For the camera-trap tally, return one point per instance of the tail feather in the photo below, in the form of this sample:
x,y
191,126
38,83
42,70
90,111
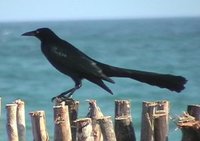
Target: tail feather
x,y
171,82
100,83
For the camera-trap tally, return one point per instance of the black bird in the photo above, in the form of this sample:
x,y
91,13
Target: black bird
x,y
77,65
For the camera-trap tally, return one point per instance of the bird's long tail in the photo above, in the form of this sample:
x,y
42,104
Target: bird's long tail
x,y
171,82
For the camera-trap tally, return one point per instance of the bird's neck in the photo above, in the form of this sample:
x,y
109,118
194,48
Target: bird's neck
x,y
49,39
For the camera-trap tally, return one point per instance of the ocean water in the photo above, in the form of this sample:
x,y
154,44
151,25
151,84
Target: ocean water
x,y
160,45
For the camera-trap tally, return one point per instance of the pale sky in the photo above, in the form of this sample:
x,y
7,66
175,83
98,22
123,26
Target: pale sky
x,y
33,10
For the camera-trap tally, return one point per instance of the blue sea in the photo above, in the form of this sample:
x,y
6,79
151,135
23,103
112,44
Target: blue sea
x,y
170,45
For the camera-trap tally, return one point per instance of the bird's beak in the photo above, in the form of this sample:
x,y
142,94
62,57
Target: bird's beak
x,y
31,33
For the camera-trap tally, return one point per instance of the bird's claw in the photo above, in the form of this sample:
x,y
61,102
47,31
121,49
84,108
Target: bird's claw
x,y
61,98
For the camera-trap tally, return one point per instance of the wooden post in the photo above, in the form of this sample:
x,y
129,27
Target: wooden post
x,y
107,128
95,114
189,127
62,129
194,110
152,115
84,129
21,120
94,110
124,129
38,121
12,122
188,135
73,115
190,123
73,106
122,108
160,128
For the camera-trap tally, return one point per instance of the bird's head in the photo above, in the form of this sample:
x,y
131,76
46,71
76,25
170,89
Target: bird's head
x,y
42,33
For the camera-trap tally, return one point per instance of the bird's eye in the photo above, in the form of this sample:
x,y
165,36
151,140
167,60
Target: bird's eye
x,y
37,32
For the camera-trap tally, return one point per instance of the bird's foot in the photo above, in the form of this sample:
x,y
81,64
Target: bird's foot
x,y
62,98
67,95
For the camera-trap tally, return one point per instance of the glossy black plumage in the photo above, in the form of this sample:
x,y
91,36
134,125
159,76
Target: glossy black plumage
x,y
77,65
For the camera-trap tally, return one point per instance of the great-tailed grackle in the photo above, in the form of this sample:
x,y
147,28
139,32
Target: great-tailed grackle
x,y
77,65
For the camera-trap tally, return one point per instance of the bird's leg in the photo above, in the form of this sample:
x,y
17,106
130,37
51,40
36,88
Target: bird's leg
x,y
62,95
69,92
74,89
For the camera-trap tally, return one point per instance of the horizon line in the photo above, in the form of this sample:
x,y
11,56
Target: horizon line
x,y
97,19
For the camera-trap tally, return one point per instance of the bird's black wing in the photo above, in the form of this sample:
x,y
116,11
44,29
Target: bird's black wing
x,y
77,62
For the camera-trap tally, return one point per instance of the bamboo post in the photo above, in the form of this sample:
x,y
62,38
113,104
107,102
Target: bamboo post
x,y
84,129
124,129
154,119
38,121
21,120
73,106
12,122
62,129
107,128
95,114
